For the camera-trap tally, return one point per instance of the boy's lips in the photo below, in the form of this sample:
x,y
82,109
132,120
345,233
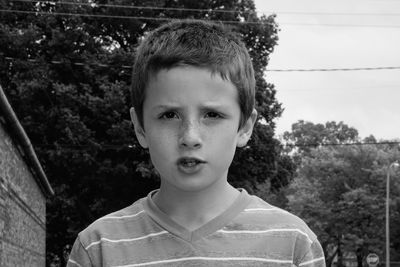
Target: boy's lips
x,y
189,161
190,164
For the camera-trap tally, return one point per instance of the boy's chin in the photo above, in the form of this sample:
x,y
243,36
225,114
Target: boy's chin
x,y
195,185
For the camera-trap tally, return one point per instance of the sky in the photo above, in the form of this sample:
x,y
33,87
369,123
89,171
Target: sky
x,y
337,34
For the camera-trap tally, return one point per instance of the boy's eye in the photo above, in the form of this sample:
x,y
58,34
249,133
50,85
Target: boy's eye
x,y
169,115
213,115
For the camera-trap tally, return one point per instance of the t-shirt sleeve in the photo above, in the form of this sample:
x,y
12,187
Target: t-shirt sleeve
x,y
314,256
79,257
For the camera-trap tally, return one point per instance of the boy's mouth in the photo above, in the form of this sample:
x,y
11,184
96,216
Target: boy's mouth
x,y
187,162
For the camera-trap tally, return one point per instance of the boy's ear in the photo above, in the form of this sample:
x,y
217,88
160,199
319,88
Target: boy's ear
x,y
246,130
139,131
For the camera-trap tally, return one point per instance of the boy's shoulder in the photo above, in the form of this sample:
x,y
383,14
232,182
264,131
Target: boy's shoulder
x,y
259,213
115,225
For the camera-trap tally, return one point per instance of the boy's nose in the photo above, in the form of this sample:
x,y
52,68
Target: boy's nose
x,y
190,136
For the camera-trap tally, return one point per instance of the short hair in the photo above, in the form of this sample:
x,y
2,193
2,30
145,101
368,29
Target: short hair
x,y
195,43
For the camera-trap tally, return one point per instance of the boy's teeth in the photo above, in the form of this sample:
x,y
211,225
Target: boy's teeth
x,y
189,162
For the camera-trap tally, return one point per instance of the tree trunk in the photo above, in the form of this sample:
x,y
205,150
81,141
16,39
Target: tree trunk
x,y
340,255
330,258
359,257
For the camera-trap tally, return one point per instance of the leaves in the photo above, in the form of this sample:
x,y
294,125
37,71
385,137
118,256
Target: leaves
x,y
68,80
306,135
340,192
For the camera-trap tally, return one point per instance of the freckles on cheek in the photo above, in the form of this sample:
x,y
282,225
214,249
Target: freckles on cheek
x,y
227,143
161,144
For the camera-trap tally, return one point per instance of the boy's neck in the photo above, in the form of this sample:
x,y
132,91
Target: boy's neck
x,y
194,209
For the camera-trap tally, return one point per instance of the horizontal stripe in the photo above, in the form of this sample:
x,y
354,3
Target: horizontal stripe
x,y
74,262
311,261
206,259
136,237
124,240
264,231
261,209
120,217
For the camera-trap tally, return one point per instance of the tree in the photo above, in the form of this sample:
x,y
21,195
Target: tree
x,y
340,192
68,78
306,135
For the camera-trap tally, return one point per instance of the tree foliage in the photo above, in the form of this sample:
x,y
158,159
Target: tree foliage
x,y
306,135
68,77
340,191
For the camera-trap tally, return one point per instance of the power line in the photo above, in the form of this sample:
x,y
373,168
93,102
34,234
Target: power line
x,y
331,13
123,17
168,19
207,10
58,62
81,147
344,144
340,90
138,7
110,146
335,69
79,15
340,25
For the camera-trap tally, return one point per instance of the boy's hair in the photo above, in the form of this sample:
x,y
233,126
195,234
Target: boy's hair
x,y
194,43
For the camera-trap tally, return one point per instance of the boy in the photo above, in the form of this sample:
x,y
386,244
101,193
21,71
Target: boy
x,y
193,97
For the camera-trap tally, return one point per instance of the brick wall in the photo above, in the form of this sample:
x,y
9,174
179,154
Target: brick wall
x,y
22,209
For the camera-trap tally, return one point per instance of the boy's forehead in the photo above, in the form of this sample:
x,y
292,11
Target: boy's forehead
x,y
154,75
187,74
170,86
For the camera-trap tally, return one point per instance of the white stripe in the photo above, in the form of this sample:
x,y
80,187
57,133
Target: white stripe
x,y
206,259
311,261
119,217
261,209
74,262
124,240
264,231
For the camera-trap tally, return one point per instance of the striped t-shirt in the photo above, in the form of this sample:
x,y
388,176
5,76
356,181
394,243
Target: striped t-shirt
x,y
249,233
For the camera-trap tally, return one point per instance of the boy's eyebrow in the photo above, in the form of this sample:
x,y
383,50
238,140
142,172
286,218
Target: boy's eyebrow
x,y
166,107
178,107
211,105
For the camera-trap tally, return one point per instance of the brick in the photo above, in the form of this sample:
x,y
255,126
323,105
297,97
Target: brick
x,y
22,209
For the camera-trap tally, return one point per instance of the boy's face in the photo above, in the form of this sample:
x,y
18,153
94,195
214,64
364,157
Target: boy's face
x,y
191,121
